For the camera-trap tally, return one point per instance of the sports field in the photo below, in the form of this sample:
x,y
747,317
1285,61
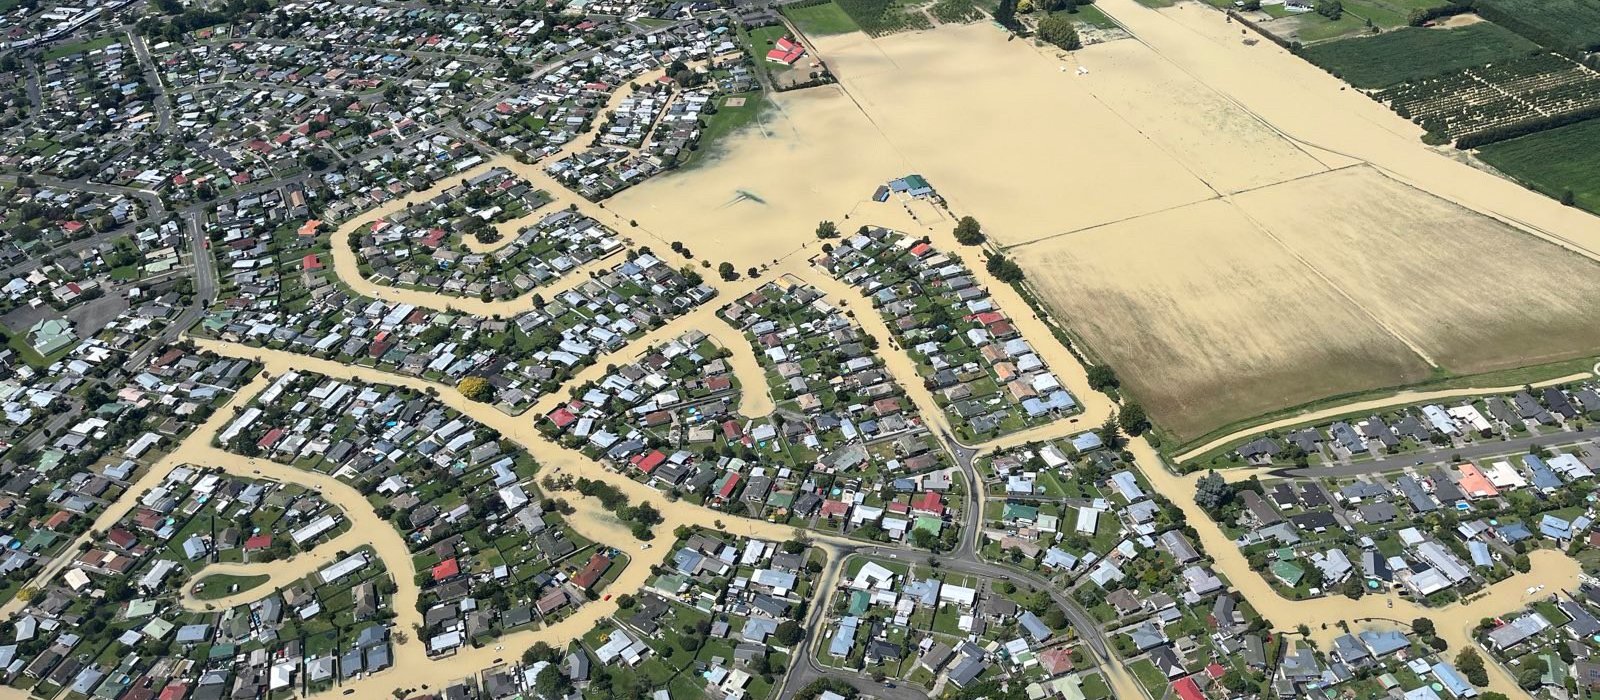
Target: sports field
x,y
1555,162
1412,53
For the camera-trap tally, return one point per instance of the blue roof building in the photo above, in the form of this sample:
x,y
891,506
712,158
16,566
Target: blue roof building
x,y
1083,442
1452,680
1543,476
1035,627
844,638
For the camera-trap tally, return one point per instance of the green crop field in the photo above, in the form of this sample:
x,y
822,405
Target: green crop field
x,y
1554,161
1408,54
1387,13
819,19
1558,24
879,17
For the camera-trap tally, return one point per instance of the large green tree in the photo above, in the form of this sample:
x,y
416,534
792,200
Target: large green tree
x,y
1058,29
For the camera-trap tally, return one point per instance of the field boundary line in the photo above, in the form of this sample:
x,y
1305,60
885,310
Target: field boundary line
x,y
1113,222
1222,196
1514,222
1333,285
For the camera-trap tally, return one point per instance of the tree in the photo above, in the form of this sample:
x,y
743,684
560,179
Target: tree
x,y
727,271
540,651
1470,664
551,684
475,388
1102,377
1212,492
1003,269
1058,29
826,230
1132,419
1423,627
1110,434
1055,618
1332,9
433,335
1006,14
968,232
788,633
1567,197
1353,588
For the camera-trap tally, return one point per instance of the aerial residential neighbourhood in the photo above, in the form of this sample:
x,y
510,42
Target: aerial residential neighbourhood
x,y
800,349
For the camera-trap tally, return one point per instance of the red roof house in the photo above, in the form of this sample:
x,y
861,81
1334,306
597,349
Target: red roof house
x,y
786,52
562,417
648,463
1188,689
446,569
929,502
592,572
271,438
834,509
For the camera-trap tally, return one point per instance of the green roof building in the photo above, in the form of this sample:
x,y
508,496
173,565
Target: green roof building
x,y
1288,572
51,336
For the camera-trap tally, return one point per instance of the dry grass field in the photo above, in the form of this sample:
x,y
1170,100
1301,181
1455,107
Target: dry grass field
x,y
1475,295
1209,321
1327,285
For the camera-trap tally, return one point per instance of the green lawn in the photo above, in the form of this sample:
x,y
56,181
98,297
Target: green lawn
x,y
1313,27
1387,13
726,121
1554,161
1149,677
80,47
1095,688
1411,53
19,343
221,585
821,19
1092,16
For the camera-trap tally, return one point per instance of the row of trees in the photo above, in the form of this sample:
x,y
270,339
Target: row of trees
x,y
640,518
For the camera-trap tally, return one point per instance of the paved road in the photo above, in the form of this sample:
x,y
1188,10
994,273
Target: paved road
x,y
1472,452
153,77
205,289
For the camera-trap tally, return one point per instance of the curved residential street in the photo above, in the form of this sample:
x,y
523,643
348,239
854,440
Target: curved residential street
x,y
1213,58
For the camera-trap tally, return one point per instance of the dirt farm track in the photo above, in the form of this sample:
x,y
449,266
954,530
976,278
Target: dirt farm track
x,y
1226,224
